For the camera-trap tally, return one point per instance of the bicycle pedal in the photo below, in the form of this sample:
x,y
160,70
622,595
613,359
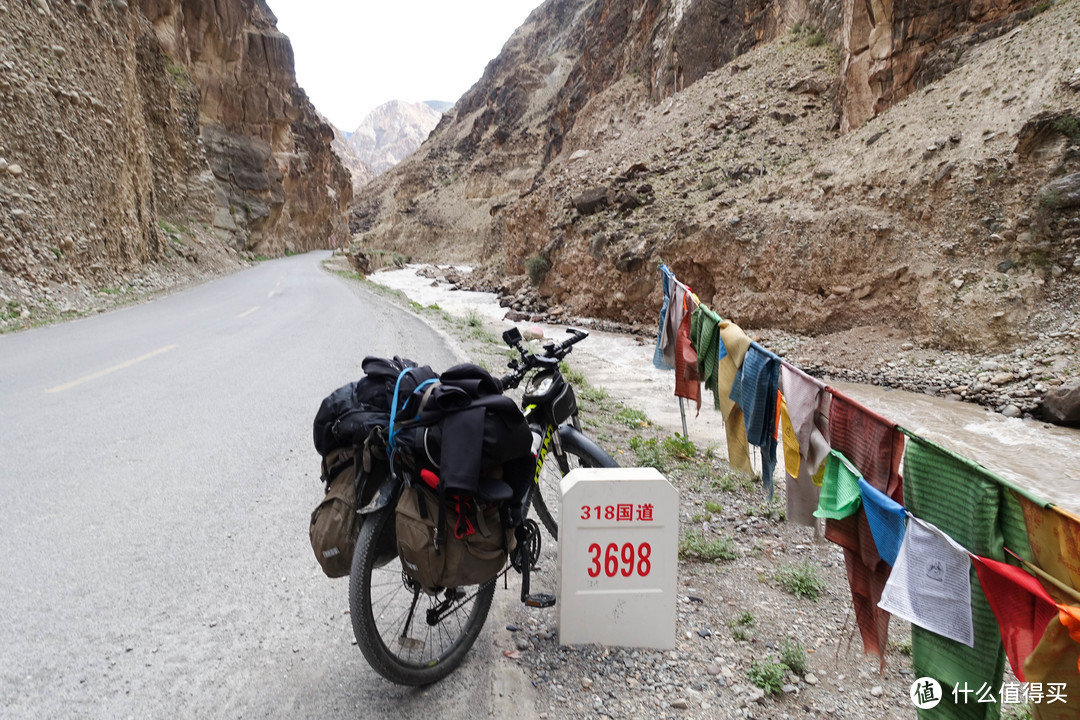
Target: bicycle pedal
x,y
540,600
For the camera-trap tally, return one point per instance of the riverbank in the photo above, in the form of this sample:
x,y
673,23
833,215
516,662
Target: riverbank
x,y
1012,383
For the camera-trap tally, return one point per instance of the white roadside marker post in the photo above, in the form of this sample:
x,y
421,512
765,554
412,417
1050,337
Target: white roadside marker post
x,y
618,558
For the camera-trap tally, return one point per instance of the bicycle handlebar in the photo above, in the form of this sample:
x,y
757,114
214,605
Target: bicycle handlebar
x,y
553,353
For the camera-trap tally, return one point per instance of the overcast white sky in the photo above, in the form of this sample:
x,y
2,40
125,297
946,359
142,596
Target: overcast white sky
x,y
354,55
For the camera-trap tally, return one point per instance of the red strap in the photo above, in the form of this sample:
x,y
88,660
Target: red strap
x,y
463,518
430,479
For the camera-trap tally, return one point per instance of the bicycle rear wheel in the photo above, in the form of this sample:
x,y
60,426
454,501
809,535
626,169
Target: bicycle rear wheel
x,y
406,635
577,452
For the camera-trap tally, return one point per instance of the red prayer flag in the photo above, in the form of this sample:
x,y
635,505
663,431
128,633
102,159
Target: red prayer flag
x,y
874,445
1021,605
687,380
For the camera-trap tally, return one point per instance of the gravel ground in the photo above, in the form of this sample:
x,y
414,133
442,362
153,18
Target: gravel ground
x,y
731,613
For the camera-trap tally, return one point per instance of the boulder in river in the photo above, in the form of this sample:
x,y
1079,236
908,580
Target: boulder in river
x,y
1062,404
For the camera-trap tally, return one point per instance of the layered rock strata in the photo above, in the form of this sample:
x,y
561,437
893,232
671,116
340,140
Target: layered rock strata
x,y
151,137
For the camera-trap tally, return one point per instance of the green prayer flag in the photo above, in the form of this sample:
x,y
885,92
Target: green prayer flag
x,y
840,495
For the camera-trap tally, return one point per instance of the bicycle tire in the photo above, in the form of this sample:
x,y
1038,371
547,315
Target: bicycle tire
x,y
546,494
379,601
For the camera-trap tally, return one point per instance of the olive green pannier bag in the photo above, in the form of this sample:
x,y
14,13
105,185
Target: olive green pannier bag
x,y
334,523
450,543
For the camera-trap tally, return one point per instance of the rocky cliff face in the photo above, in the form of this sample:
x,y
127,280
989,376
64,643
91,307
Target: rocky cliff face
x,y
142,143
821,165
278,187
891,49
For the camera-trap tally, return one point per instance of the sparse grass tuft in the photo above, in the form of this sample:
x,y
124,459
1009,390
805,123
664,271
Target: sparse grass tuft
x,y
793,655
740,626
574,377
769,511
695,545
1016,712
768,675
10,311
802,580
901,646
631,417
679,447
648,453
593,394
725,483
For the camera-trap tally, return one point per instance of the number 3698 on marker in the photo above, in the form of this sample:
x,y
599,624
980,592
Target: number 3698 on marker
x,y
626,559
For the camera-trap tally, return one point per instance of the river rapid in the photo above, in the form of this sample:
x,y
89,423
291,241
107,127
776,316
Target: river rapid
x,y
1035,455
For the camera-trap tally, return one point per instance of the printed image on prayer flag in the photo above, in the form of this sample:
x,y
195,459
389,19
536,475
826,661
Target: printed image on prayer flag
x,y
930,584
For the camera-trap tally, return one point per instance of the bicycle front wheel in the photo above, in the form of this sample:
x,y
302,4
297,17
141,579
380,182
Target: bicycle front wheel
x,y
577,452
406,635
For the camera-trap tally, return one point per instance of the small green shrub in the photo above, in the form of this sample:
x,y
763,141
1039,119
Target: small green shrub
x,y
768,675
714,507
631,417
740,626
593,394
648,453
793,655
679,447
725,483
473,319
816,39
1068,126
802,580
694,544
537,268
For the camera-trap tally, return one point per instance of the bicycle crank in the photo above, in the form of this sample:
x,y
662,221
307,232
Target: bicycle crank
x,y
524,559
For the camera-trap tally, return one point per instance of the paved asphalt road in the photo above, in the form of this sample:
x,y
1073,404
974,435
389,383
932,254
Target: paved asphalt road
x,y
156,478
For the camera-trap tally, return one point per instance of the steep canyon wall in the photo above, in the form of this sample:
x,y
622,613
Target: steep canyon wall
x,y
811,165
163,133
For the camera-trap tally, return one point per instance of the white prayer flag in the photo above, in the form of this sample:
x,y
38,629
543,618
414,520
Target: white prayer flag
x,y
930,584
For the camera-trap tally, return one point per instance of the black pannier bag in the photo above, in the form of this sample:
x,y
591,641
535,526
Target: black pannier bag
x,y
346,433
458,427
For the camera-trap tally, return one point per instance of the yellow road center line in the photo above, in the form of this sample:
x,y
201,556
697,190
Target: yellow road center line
x,y
247,312
271,294
114,368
